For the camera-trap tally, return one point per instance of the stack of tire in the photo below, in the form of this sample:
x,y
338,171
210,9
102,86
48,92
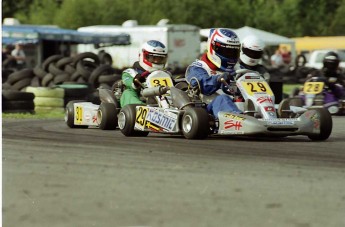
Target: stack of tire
x,y
14,97
17,102
48,99
78,76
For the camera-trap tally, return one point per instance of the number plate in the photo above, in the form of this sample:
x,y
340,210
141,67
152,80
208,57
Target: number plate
x,y
313,87
157,81
256,87
140,117
78,114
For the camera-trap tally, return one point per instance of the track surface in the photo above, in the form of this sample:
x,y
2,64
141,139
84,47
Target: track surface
x,y
56,176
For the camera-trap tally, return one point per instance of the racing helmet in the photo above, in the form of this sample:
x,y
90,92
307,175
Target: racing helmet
x,y
223,48
153,55
331,61
251,50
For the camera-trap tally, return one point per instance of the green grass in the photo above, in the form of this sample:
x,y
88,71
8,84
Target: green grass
x,y
287,88
33,116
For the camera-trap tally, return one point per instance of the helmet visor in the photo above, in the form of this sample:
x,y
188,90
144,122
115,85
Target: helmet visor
x,y
156,58
226,50
331,65
252,53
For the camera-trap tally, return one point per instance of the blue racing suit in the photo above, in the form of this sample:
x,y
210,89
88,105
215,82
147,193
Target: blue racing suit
x,y
200,73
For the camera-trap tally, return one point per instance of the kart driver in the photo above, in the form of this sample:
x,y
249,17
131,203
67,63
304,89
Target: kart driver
x,y
252,49
223,49
331,74
153,56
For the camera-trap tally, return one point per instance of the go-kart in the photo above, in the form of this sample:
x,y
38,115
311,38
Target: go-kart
x,y
183,112
315,92
82,114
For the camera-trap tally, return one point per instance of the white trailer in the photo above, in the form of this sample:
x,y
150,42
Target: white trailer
x,y
182,41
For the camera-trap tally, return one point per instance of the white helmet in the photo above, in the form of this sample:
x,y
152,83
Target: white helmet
x,y
153,55
252,50
223,48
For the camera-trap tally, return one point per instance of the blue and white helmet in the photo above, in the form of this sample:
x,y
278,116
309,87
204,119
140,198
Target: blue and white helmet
x,y
153,55
223,48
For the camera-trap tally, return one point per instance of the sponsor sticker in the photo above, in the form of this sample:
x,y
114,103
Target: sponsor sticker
x,y
159,118
280,121
235,117
233,124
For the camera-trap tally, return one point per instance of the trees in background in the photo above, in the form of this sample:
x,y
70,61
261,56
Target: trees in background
x,y
290,18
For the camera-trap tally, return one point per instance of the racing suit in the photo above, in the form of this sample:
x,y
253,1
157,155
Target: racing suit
x,y
132,91
204,73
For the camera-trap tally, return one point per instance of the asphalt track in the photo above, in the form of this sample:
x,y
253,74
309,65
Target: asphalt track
x,y
57,176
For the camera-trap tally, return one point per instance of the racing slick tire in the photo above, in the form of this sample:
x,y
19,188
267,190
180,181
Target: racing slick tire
x,y
107,116
69,115
195,123
326,125
296,101
126,121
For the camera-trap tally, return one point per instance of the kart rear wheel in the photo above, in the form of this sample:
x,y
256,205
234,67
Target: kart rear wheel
x,y
326,125
126,121
107,116
195,123
69,115
296,101
284,106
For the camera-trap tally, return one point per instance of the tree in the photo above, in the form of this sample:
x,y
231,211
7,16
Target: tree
x,y
10,7
290,18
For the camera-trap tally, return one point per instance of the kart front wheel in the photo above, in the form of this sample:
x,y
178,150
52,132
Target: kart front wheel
x,y
326,125
126,121
195,123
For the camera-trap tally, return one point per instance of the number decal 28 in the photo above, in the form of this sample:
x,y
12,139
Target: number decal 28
x,y
313,87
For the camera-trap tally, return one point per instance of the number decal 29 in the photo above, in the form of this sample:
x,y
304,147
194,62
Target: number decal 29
x,y
259,86
254,87
141,115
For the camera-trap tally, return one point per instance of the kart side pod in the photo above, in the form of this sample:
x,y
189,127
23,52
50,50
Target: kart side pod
x,y
180,98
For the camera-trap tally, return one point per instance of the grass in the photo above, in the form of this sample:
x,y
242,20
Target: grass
x,y
287,88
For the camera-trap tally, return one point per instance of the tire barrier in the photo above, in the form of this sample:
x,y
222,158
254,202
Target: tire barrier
x,y
75,91
17,102
47,99
78,77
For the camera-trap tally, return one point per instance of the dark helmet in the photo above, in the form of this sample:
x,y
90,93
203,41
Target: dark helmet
x,y
331,61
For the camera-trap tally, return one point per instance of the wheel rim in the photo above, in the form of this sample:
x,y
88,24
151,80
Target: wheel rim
x,y
121,118
66,115
187,124
99,117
